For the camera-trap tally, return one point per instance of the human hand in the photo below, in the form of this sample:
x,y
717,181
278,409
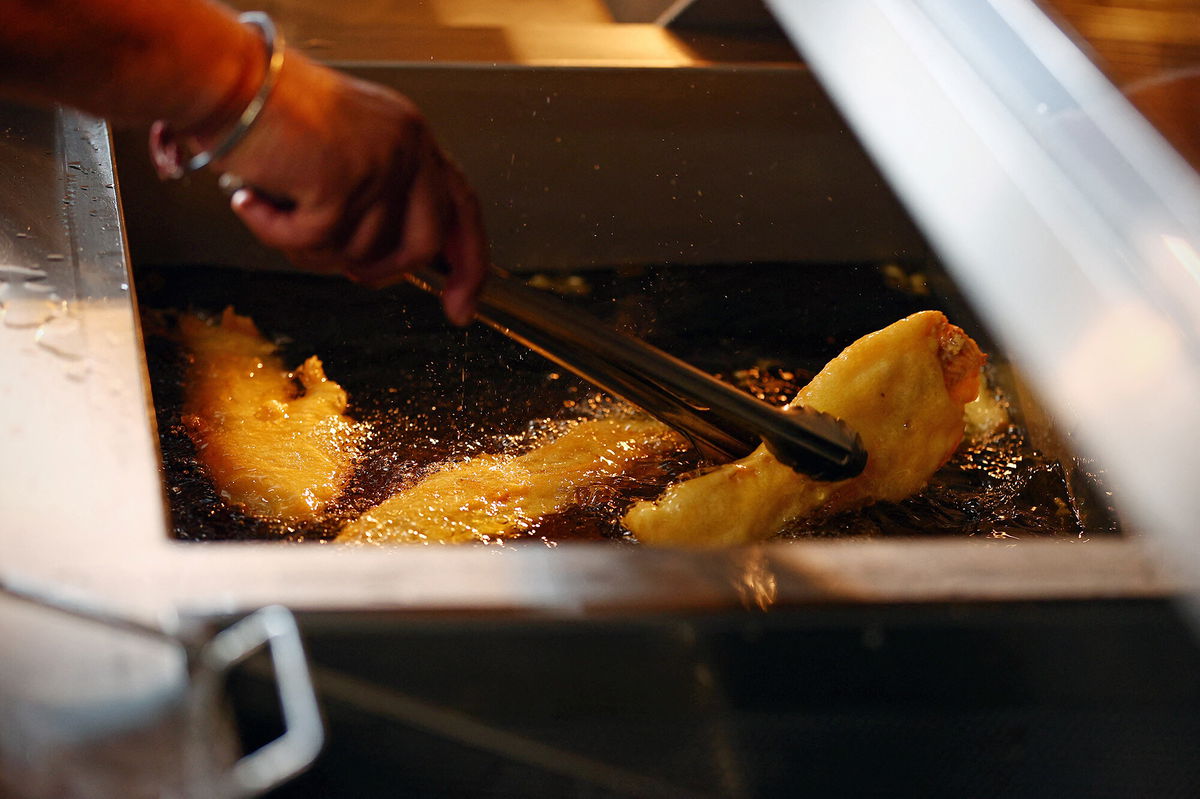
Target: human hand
x,y
345,176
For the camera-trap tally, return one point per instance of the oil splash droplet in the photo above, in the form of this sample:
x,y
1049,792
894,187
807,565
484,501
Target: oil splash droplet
x,y
79,370
8,271
62,335
21,312
38,287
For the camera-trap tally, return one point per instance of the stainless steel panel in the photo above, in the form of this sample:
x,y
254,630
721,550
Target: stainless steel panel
x,y
584,167
83,510
80,461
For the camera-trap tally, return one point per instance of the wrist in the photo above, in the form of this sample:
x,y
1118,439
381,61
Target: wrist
x,y
216,135
224,111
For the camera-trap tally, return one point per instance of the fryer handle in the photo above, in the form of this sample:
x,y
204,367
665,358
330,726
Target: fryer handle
x,y
294,751
273,626
721,421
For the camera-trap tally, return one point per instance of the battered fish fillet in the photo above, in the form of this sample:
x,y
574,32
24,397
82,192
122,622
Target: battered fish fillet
x,y
902,388
498,495
275,448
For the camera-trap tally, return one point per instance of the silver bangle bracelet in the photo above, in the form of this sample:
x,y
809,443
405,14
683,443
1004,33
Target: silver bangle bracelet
x,y
273,40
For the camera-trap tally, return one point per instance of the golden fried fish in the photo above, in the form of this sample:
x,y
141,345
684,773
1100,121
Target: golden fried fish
x,y
497,495
277,448
902,389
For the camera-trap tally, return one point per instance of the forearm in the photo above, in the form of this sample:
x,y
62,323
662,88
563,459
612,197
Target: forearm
x,y
375,197
186,61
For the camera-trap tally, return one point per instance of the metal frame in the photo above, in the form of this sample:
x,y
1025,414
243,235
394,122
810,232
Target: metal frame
x,y
113,523
114,528
1063,188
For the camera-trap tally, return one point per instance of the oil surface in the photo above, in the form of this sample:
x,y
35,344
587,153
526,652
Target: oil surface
x,y
433,394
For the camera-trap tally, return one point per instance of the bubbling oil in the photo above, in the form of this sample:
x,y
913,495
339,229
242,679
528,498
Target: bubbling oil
x,y
432,395
996,488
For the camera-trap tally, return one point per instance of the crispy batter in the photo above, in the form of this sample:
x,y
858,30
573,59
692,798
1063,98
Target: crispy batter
x,y
902,388
498,495
275,448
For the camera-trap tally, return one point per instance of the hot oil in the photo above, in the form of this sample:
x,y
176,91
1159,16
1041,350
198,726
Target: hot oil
x,y
998,487
198,512
976,494
431,395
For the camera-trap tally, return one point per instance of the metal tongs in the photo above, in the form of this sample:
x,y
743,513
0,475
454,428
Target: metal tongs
x,y
720,421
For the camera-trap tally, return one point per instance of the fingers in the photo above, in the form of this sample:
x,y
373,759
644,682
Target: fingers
x,y
291,229
421,231
376,235
402,220
374,227
442,218
370,192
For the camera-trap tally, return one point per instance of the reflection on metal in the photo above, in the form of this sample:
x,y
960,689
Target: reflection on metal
x,y
584,168
1061,212
719,16
755,579
452,724
68,600
80,459
526,32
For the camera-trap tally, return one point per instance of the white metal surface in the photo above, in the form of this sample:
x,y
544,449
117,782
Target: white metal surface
x,y
79,459
95,703
1064,216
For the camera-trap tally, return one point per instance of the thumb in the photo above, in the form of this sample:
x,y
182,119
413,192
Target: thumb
x,y
279,223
